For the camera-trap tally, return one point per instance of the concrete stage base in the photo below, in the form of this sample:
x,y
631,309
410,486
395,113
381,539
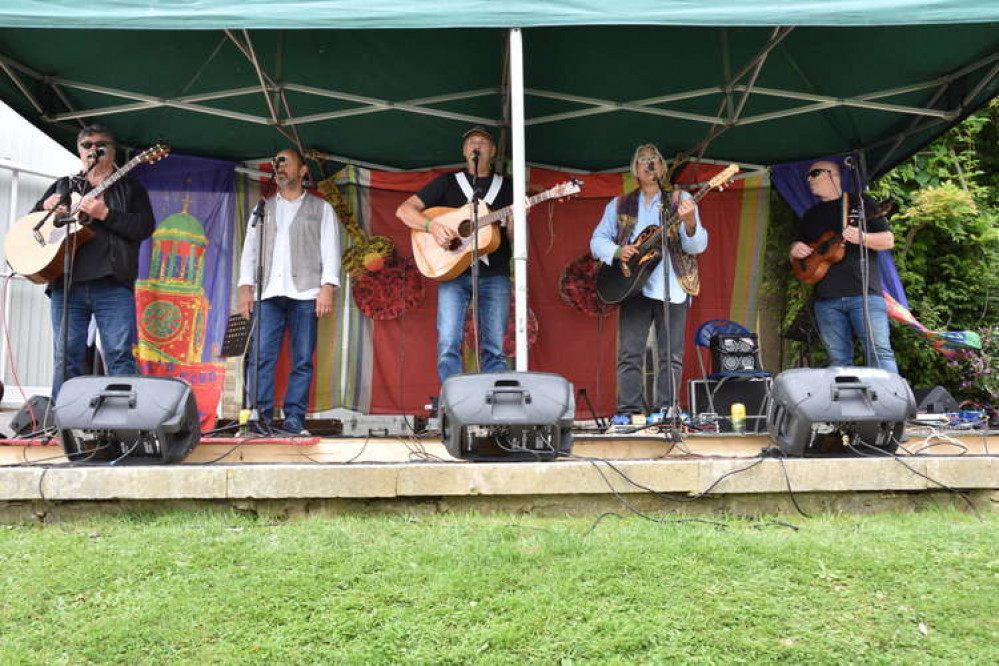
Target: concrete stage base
x,y
418,476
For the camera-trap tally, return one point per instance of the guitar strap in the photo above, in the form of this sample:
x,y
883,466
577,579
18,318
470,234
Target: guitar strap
x,y
491,194
466,187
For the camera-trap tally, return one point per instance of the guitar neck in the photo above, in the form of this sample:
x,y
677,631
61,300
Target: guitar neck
x,y
111,180
654,238
507,211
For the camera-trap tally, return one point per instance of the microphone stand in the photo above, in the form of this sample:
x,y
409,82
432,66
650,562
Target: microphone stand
x,y
862,265
256,222
251,397
475,260
67,261
670,422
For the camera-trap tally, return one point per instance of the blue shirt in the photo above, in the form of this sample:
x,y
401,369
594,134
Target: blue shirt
x,y
603,247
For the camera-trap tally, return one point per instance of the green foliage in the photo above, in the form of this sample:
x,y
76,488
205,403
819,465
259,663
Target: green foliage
x,y
946,251
461,589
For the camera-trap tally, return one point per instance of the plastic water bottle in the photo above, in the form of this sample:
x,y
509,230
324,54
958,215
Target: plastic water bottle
x,y
738,417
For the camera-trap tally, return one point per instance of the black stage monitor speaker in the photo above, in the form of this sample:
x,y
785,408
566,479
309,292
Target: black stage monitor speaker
x,y
936,400
135,420
35,416
838,411
507,416
735,353
717,396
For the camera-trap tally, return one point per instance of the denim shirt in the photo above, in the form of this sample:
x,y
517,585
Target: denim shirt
x,y
603,247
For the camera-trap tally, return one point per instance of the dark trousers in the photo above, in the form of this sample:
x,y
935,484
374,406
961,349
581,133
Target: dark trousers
x,y
635,315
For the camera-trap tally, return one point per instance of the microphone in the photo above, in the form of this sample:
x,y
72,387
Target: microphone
x,y
848,161
476,153
101,151
649,167
62,221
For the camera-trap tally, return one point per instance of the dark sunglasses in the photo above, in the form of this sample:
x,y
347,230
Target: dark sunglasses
x,y
280,159
815,173
87,145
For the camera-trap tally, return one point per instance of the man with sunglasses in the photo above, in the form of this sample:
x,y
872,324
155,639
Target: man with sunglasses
x,y
624,218
454,190
301,272
839,296
102,282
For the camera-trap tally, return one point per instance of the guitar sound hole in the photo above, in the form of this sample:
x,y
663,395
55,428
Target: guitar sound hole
x,y
465,228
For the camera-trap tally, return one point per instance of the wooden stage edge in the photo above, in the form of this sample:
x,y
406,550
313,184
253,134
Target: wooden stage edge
x,y
724,474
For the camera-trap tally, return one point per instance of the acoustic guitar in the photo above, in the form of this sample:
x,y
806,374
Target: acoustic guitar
x,y
623,279
446,263
830,248
34,244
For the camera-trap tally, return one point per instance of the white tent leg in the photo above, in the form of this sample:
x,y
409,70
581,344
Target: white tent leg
x,y
519,156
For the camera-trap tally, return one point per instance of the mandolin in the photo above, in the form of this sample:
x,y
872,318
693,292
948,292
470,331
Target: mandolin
x,y
830,248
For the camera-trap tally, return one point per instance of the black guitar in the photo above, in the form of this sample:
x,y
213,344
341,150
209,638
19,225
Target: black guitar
x,y
622,280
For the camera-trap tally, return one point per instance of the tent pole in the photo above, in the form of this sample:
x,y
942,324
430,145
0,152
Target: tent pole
x,y
519,195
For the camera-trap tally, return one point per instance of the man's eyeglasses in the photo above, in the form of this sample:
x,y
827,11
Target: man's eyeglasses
x,y
648,160
87,145
815,173
280,159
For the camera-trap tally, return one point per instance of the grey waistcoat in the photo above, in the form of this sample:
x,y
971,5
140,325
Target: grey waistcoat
x,y
305,241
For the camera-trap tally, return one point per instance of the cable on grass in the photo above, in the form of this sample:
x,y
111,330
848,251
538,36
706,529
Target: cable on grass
x,y
882,452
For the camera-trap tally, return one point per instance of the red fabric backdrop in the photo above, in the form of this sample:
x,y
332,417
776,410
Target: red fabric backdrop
x,y
580,347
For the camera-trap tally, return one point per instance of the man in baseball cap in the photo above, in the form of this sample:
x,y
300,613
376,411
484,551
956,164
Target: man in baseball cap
x,y
453,191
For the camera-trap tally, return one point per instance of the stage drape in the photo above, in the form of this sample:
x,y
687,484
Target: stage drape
x,y
580,347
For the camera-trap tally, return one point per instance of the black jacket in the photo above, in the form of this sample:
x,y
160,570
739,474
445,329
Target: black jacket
x,y
114,250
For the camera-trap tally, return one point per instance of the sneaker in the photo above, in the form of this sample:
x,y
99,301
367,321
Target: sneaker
x,y
621,419
293,427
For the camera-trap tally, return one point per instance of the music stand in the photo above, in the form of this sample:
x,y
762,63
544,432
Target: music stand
x,y
236,343
237,336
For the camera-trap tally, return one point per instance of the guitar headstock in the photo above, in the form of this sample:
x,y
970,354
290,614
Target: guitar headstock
x,y
722,177
566,189
154,154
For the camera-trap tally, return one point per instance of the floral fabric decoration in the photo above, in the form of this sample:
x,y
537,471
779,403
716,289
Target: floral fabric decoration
x,y
387,293
577,286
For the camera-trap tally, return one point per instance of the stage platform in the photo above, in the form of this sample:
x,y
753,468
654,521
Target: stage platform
x,y
617,473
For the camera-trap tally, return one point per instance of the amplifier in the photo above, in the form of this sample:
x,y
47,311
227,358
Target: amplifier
x,y
507,416
718,395
735,353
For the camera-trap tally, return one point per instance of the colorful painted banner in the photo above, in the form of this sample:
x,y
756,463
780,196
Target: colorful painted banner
x,y
182,296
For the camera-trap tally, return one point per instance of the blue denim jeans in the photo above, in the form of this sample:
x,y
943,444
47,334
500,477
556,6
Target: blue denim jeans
x,y
453,298
112,304
840,319
277,315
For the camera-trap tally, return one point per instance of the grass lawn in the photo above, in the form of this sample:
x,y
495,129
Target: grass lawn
x,y
226,588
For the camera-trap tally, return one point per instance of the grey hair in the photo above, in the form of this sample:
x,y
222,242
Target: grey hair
x,y
95,129
638,151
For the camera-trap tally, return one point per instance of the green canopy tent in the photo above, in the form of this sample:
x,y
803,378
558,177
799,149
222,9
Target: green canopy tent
x,y
359,81
390,84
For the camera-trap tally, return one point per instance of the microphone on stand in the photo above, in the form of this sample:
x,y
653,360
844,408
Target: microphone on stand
x,y
476,153
848,161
